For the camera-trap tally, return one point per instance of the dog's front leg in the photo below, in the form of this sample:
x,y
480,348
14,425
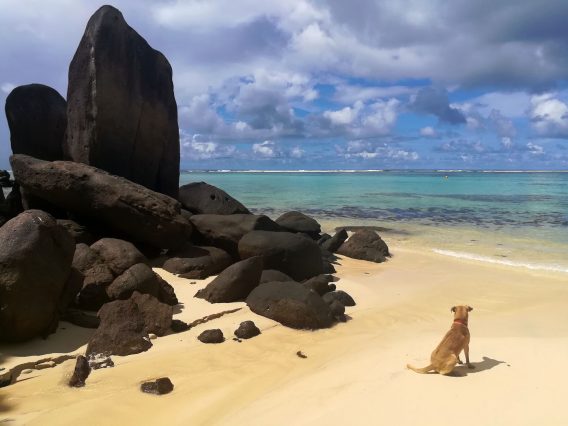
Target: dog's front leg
x,y
466,352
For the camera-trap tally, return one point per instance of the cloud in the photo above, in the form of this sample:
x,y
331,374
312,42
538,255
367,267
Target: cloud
x,y
266,149
196,147
549,116
428,132
359,149
434,101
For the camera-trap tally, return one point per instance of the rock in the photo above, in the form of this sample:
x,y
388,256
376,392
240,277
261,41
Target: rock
x,y
35,263
234,283
211,336
37,118
5,180
323,238
159,386
320,284
121,331
328,268
299,222
247,330
365,245
100,361
332,245
178,326
291,304
225,231
157,315
119,255
79,232
121,206
166,293
337,309
81,372
139,277
127,126
197,262
13,203
81,318
272,275
96,277
339,295
202,198
296,256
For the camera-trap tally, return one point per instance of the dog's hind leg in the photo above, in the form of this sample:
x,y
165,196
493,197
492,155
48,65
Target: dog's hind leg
x,y
448,366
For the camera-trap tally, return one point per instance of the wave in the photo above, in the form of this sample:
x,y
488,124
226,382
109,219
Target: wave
x,y
488,259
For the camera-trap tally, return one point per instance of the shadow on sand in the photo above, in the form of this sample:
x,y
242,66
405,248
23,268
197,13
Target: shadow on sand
x,y
486,364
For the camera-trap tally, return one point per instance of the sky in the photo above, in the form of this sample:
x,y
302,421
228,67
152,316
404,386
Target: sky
x,y
332,84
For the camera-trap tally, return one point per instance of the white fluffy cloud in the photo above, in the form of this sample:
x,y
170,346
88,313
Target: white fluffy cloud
x,y
549,115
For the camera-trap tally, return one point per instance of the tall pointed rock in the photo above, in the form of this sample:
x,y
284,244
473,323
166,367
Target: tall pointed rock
x,y
122,113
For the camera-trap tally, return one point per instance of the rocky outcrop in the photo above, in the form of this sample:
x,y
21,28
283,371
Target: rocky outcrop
x,y
296,256
118,255
247,330
121,331
197,262
291,304
272,275
157,316
202,198
129,210
37,118
79,232
225,231
299,222
365,245
35,264
127,126
332,244
234,283
138,277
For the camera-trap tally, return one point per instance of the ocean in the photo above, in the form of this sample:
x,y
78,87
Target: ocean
x,y
516,219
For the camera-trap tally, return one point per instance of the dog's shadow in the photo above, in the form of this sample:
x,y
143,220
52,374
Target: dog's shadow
x,y
487,364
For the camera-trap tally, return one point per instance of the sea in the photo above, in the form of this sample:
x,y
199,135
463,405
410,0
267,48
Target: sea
x,y
515,219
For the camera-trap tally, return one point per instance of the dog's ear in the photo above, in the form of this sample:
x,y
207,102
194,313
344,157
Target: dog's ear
x,y
453,309
469,309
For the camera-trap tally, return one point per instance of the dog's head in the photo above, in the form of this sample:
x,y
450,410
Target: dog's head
x,y
461,311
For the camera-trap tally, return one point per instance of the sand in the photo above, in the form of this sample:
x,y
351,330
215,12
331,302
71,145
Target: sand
x,y
354,373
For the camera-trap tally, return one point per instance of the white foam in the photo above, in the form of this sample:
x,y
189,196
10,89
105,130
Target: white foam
x,y
487,259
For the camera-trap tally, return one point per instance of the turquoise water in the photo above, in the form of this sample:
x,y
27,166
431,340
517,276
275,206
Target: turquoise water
x,y
518,218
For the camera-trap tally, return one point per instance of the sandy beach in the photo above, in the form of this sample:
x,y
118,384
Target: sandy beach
x,y
354,372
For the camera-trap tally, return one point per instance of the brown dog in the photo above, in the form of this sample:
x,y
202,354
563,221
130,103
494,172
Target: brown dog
x,y
447,354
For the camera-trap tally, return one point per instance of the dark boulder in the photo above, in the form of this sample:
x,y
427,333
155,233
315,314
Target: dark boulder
x,y
272,275
157,315
328,268
5,180
247,330
225,231
341,296
127,126
13,204
337,310
211,336
202,198
138,277
365,245
296,256
121,331
197,262
79,232
299,222
35,264
332,244
81,372
323,238
234,283
166,293
159,386
291,304
119,255
121,206
320,284
37,118
179,326
95,275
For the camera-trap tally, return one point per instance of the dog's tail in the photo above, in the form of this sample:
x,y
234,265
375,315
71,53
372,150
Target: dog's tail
x,y
420,370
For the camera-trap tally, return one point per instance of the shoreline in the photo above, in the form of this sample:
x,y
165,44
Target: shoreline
x,y
353,372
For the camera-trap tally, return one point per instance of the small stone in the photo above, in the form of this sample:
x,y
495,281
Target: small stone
x,y
159,386
301,354
211,336
152,336
81,372
178,326
246,330
27,371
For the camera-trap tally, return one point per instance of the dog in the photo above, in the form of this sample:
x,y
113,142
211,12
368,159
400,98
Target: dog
x,y
447,354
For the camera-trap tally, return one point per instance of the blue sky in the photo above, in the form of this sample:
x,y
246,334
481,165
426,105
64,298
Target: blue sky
x,y
333,84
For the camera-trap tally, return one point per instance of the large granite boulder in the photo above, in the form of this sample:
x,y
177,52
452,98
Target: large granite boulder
x,y
197,262
35,264
157,315
128,209
272,275
293,254
365,245
95,277
37,118
225,231
291,304
298,222
121,331
234,283
202,198
79,232
127,125
119,255
332,244
138,277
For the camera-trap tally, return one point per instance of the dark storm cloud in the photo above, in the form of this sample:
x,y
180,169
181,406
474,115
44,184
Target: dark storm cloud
x,y
435,101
